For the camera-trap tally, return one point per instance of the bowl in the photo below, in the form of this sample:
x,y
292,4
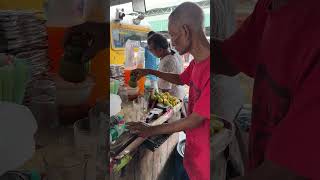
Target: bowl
x,y
73,94
133,93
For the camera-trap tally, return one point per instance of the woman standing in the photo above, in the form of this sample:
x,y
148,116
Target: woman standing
x,y
170,62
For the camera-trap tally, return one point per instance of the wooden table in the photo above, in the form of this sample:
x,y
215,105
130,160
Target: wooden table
x,y
146,164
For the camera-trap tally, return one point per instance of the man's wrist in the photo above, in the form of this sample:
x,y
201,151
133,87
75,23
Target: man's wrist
x,y
150,71
152,131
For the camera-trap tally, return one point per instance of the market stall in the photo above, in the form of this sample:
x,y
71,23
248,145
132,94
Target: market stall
x,y
128,152
133,157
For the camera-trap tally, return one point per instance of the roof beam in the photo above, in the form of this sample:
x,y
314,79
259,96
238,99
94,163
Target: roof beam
x,y
168,10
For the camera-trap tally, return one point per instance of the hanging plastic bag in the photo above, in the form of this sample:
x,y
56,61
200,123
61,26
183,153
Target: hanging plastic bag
x,y
130,62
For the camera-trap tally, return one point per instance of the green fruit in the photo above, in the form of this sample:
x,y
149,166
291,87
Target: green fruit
x,y
133,76
212,132
217,125
133,84
73,72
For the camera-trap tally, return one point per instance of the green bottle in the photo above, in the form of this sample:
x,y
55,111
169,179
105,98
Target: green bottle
x,y
113,134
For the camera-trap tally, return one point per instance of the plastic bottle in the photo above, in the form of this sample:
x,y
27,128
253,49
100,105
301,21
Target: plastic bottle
x,y
113,134
141,64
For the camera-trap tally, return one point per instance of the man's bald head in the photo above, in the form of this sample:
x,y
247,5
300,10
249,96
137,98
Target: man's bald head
x,y
190,14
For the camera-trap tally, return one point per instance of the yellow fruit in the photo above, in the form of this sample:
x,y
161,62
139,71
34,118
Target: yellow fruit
x,y
217,125
160,100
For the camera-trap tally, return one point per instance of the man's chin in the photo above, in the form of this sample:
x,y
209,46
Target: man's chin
x,y
182,52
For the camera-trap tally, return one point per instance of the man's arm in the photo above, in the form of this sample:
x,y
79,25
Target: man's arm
x,y
164,90
293,150
238,53
192,121
221,65
144,130
269,170
170,77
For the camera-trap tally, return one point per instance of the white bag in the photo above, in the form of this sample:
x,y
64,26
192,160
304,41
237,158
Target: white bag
x,y
115,100
130,61
18,127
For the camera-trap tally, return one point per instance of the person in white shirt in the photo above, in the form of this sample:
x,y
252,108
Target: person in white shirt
x,y
170,62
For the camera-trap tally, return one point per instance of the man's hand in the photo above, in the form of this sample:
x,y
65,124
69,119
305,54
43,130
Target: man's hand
x,y
140,128
98,33
145,130
139,73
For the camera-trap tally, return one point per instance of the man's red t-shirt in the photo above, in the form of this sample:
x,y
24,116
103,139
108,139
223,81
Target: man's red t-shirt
x,y
280,49
197,151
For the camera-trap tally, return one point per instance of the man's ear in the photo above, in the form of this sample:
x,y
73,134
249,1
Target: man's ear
x,y
186,29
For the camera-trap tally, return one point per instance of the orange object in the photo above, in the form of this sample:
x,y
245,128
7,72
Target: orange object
x,y
140,82
127,75
141,85
55,41
100,68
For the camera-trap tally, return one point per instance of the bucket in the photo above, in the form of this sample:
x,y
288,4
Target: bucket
x,y
64,164
181,173
45,111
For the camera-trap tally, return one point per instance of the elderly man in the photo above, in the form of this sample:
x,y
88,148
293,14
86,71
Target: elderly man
x,y
279,48
186,28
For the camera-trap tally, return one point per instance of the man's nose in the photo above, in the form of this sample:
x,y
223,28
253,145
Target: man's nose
x,y
173,43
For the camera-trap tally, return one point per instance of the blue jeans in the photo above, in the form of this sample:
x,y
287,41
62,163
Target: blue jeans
x,y
181,173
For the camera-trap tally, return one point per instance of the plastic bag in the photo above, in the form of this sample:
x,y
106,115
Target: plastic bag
x,y
130,62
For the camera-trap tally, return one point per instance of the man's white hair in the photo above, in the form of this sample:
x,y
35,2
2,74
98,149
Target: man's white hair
x,y
190,14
